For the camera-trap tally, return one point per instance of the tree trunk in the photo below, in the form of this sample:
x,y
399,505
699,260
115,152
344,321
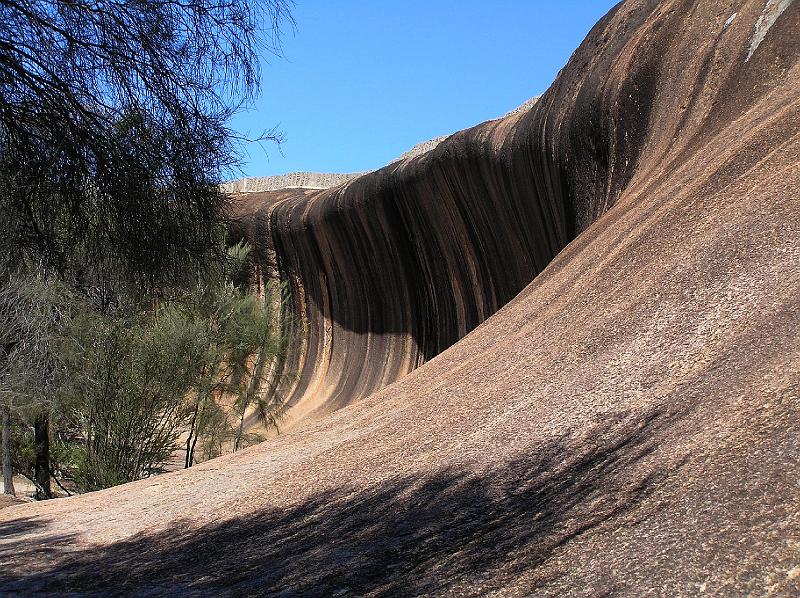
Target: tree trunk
x,y
190,456
188,461
239,431
8,476
41,441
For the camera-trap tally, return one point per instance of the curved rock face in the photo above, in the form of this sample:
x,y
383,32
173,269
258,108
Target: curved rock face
x,y
391,268
395,266
627,424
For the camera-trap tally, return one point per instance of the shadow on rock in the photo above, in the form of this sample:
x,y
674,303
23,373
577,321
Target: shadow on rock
x,y
455,531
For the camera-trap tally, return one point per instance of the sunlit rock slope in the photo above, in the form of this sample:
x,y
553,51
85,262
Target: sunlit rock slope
x,y
392,268
627,424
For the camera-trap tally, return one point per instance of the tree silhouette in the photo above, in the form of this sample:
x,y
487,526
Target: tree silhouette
x,y
113,126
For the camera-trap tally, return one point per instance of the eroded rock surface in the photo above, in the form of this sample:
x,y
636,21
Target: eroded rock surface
x,y
627,424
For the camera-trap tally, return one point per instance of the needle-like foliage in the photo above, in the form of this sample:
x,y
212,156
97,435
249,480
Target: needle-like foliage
x,y
113,126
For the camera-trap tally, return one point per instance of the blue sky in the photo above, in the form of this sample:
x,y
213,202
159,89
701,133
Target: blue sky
x,y
361,82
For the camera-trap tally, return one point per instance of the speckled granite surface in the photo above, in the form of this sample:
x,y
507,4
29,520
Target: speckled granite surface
x,y
628,423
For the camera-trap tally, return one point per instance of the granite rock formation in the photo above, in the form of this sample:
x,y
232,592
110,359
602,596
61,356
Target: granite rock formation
x,y
621,414
293,180
391,268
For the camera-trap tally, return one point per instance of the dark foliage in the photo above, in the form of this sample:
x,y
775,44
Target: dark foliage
x,y
113,133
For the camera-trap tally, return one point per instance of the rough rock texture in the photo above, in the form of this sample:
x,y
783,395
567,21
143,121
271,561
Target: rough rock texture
x,y
7,501
420,148
304,180
628,424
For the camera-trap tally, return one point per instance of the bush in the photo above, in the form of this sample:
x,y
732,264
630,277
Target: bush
x,y
192,366
127,401
109,394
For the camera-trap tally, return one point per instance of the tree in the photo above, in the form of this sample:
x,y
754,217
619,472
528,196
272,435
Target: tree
x,y
8,475
241,341
191,365
113,127
125,401
33,313
114,137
